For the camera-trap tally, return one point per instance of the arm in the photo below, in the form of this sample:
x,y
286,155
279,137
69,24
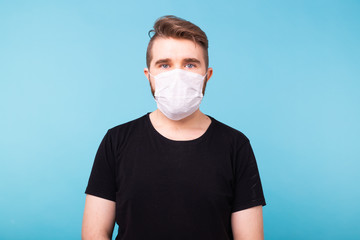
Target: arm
x,y
247,224
99,218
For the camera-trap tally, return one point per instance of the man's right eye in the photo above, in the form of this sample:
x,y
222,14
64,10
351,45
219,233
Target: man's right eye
x,y
164,66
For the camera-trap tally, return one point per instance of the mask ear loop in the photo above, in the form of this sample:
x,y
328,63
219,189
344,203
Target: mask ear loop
x,y
204,83
205,76
150,75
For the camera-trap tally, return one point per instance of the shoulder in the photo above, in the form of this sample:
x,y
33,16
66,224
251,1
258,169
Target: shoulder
x,y
120,133
230,134
128,125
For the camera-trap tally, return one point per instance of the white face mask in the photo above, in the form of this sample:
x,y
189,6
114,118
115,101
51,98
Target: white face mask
x,y
178,93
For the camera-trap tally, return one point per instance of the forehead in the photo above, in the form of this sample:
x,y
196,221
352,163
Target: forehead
x,y
176,49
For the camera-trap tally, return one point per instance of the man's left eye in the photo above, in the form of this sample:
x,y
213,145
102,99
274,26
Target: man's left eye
x,y
190,65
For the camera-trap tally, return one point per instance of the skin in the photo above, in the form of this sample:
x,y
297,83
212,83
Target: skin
x,y
169,54
99,218
247,224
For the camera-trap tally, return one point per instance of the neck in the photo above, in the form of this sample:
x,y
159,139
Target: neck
x,y
193,121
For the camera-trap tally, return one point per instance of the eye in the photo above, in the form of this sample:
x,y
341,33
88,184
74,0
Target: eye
x,y
164,66
190,65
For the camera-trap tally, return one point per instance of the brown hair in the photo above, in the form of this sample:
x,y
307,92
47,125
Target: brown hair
x,y
175,27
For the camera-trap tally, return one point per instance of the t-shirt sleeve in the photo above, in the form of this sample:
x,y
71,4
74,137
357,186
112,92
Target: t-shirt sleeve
x,y
248,190
102,181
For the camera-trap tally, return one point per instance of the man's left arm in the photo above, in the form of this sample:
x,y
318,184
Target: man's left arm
x,y
247,224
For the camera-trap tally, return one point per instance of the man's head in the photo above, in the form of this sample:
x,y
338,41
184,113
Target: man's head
x,y
177,44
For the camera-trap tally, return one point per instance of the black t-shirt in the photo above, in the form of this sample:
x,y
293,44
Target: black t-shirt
x,y
174,190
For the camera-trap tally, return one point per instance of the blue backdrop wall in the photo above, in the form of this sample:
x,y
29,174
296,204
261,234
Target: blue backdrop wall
x,y
286,73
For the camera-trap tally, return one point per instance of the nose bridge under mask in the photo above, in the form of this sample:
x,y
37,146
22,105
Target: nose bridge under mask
x,y
182,83
177,72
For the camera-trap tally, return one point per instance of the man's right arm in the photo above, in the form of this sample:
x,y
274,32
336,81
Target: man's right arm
x,y
99,218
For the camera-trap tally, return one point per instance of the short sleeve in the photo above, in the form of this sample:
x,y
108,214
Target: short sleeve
x,y
102,181
248,190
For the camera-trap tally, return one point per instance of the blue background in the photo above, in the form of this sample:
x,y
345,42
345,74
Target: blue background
x,y
286,73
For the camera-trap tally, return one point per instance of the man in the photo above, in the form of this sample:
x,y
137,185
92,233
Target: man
x,y
175,173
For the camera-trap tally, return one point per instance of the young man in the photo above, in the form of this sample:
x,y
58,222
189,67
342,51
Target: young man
x,y
175,173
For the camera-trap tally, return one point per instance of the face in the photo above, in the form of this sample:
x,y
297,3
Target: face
x,y
170,53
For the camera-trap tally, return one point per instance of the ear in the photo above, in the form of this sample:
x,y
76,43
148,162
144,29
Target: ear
x,y
146,72
209,74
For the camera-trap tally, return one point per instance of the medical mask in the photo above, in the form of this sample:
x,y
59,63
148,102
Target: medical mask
x,y
178,93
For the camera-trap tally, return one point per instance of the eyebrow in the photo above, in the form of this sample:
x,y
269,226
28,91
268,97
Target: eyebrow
x,y
195,60
186,60
164,60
